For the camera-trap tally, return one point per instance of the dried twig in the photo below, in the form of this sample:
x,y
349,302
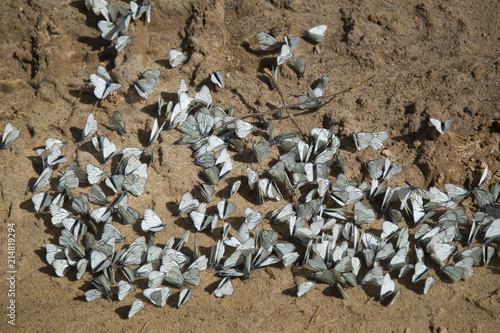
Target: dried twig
x,y
286,107
282,96
294,274
471,53
323,323
312,318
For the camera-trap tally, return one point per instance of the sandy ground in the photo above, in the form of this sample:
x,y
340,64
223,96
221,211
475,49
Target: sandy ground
x,y
427,58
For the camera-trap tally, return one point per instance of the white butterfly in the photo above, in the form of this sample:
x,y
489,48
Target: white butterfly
x,y
374,277
145,86
155,131
218,78
184,297
375,140
252,217
158,296
103,83
9,134
428,283
41,201
109,30
101,214
317,33
442,127
90,127
292,42
123,289
151,221
136,306
225,208
456,192
243,128
176,58
285,55
108,148
388,289
94,173
204,97
96,5
300,65
122,41
225,288
267,42
187,204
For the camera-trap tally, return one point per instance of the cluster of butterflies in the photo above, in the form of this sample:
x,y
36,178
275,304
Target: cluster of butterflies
x,y
104,85
324,229
117,19
269,43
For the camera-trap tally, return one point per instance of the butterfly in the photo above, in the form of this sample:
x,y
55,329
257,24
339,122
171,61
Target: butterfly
x,y
317,33
122,41
218,78
150,79
90,127
225,288
151,221
267,42
375,140
136,306
103,83
157,296
176,58
388,289
300,65
285,55
442,127
9,134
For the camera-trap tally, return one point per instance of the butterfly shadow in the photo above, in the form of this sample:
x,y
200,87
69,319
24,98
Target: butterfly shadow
x,y
406,281
258,52
46,269
281,228
85,96
371,291
167,96
91,19
88,147
150,110
164,63
36,162
136,227
123,311
292,291
246,156
244,101
205,82
347,144
172,301
332,291
172,208
184,222
96,44
143,137
211,287
27,205
132,96
226,191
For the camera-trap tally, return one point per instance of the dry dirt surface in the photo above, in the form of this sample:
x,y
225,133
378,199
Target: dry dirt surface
x,y
426,59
